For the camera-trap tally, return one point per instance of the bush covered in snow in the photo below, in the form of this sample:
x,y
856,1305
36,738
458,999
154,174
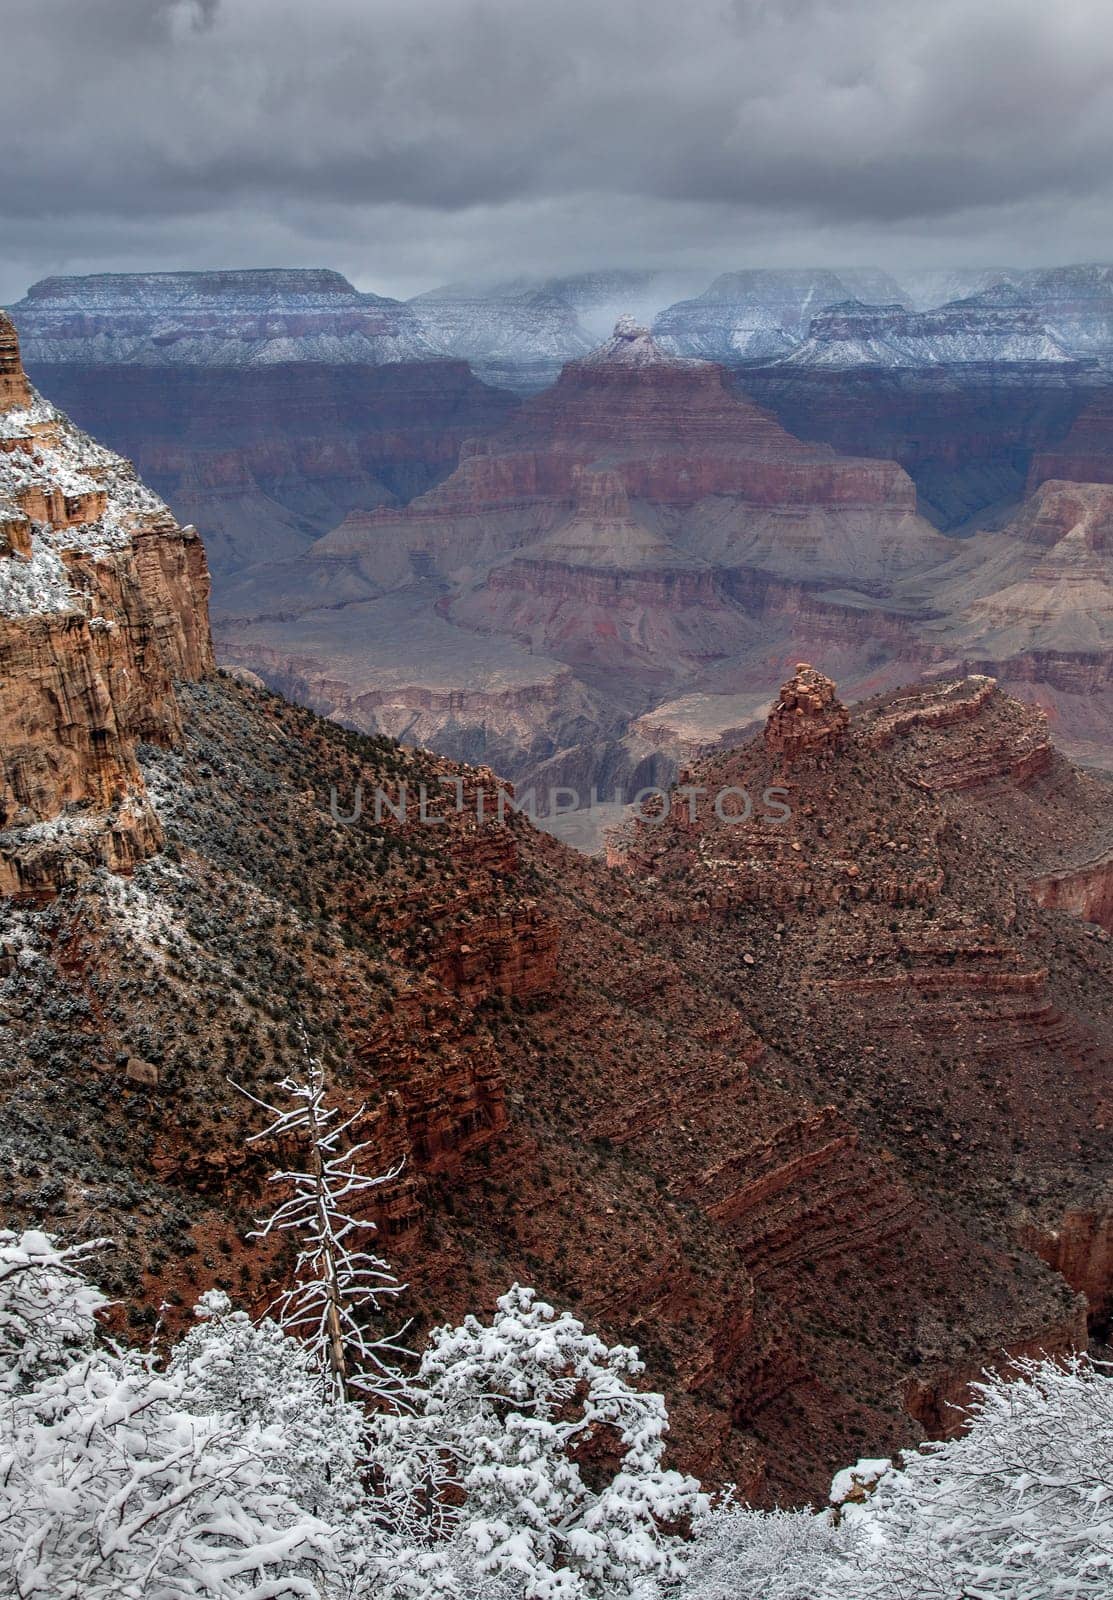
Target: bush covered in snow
x,y
528,1468
1020,1507
237,1470
554,1456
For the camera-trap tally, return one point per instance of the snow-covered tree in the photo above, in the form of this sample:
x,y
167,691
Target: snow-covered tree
x,y
1019,1507
554,1456
337,1287
110,1488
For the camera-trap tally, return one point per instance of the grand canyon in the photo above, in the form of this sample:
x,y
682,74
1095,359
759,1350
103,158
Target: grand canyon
x,y
585,583
695,1089
556,802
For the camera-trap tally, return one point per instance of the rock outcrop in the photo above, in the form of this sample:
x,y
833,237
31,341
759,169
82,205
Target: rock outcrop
x,y
103,606
806,717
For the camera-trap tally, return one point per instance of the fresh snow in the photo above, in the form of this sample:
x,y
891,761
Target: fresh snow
x,y
41,449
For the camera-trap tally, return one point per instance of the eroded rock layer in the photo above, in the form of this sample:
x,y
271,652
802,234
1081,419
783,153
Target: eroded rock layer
x,y
103,606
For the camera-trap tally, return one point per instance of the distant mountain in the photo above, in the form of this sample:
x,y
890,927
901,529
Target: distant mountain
x,y
998,326
758,314
936,286
1076,303
517,333
216,319
520,331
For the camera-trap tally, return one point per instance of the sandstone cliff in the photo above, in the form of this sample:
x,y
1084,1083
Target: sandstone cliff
x,y
103,606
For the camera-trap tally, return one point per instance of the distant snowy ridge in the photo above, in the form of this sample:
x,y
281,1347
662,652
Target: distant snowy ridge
x,y
520,331
221,319
994,328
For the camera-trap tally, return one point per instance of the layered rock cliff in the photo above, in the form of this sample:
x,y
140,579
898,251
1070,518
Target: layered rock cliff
x,y
220,319
632,523
103,606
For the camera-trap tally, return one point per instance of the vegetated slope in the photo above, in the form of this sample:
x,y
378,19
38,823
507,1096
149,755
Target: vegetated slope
x,y
572,1063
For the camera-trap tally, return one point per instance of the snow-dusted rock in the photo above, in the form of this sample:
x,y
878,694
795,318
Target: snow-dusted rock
x,y
217,319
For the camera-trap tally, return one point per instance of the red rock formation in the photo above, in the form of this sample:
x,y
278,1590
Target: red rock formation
x,y
103,606
1084,890
807,717
15,391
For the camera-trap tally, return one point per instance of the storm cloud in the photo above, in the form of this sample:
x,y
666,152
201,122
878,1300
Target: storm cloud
x,y
411,141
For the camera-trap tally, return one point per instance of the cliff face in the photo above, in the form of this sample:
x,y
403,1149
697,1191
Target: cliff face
x,y
994,328
103,606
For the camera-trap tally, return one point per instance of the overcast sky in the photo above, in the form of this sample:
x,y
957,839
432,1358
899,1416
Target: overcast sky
x,y
407,142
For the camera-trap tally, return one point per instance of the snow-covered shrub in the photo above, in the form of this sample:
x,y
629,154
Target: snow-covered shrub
x,y
1020,1507
47,1309
739,1554
555,1457
253,1375
110,1488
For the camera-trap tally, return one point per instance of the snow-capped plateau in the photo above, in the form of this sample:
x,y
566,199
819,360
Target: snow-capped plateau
x,y
219,319
993,328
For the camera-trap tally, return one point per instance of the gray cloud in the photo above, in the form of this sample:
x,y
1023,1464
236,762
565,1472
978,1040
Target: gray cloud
x,y
405,141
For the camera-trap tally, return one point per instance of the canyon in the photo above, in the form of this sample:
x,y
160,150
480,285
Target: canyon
x,y
811,1106
588,581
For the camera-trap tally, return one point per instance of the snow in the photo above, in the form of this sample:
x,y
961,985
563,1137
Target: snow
x,y
40,449
217,319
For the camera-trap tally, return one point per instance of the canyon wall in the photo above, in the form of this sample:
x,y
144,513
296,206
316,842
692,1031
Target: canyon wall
x,y
103,607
